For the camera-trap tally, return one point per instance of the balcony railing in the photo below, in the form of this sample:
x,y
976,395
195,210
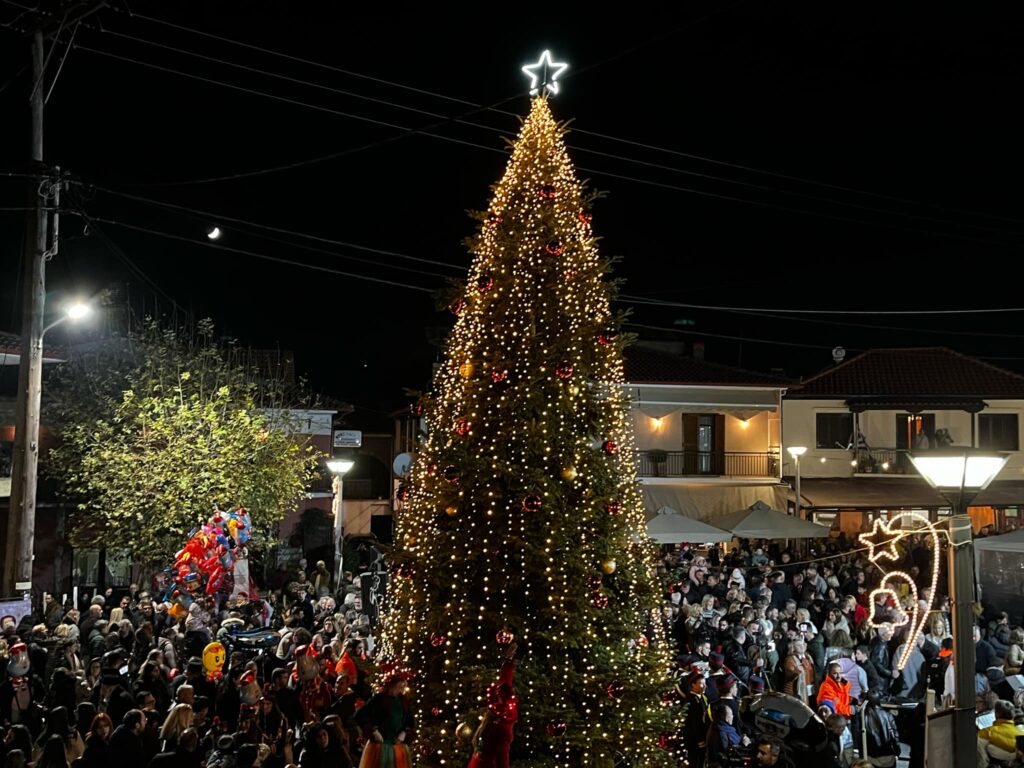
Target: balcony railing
x,y
883,461
697,463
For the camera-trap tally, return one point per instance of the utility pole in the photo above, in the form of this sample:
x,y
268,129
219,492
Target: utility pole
x,y
961,577
21,513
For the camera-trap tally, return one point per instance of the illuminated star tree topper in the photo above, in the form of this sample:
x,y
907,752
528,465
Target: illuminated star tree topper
x,y
544,74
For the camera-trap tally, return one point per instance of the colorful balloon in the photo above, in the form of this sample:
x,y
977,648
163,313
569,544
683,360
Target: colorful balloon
x,y
213,660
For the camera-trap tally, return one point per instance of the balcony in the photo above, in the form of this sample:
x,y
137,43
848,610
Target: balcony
x,y
699,464
883,461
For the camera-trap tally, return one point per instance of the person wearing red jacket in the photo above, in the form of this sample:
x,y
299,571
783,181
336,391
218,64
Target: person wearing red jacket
x,y
836,690
493,739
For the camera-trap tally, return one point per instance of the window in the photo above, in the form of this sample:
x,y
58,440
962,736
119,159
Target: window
x,y
833,430
998,431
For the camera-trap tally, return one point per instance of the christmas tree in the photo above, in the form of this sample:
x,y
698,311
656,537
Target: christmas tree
x,y
521,516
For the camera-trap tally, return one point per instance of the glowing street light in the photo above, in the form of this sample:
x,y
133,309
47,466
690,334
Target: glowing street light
x,y
338,468
796,451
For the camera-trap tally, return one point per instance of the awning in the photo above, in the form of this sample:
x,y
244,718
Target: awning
x,y
706,501
909,492
661,401
915,404
1008,542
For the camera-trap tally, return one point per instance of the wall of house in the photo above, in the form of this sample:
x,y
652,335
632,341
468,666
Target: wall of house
x,y
879,430
664,434
750,436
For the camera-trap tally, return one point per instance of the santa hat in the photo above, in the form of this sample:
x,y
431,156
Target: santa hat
x,y
716,659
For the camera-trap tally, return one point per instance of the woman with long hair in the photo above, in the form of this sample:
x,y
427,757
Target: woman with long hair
x,y
177,721
151,679
97,743
57,724
53,754
85,713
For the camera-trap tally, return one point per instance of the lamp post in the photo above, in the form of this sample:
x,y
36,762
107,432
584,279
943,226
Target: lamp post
x,y
338,468
21,515
796,451
959,474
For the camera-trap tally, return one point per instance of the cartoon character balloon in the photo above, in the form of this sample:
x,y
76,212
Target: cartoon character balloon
x,y
213,660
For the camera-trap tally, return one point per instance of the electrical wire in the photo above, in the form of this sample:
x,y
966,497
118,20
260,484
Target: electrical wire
x,y
744,339
595,134
778,314
216,217
575,148
254,254
427,132
770,310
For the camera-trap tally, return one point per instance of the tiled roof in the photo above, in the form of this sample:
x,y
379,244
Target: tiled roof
x,y
922,372
651,366
9,341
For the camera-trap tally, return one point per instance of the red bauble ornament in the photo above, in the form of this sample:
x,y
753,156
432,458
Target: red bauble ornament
x,y
610,447
533,503
556,729
504,636
417,409
462,427
607,338
436,711
451,474
668,698
666,740
437,640
594,582
563,370
601,601
402,493
425,748
554,247
586,216
493,219
548,191
405,571
615,690
613,507
456,306
499,376
485,282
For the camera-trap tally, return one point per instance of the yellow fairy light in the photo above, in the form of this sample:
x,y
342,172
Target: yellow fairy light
x,y
881,542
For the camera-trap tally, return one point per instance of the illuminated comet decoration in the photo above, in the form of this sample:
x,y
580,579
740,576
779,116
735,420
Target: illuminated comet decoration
x,y
544,74
881,543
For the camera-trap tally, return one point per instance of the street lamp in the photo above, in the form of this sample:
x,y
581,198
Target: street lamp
x,y
959,474
796,451
338,468
21,515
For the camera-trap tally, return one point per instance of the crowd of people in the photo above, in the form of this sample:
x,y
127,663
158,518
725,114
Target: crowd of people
x,y
121,683
756,620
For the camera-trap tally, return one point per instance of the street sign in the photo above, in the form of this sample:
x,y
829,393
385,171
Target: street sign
x,y
348,438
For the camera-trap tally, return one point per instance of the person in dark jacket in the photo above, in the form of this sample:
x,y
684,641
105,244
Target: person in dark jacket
x,y
126,743
722,736
97,743
984,653
698,719
185,755
111,698
863,658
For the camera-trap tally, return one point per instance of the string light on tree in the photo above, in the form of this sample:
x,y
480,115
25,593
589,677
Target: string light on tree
x,y
533,519
881,542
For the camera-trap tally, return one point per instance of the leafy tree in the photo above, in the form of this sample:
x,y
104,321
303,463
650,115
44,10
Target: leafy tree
x,y
523,515
156,428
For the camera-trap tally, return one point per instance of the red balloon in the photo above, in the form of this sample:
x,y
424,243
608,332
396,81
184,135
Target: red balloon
x,y
215,581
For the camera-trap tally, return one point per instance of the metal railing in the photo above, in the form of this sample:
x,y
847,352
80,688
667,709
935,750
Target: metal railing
x,y
655,463
883,461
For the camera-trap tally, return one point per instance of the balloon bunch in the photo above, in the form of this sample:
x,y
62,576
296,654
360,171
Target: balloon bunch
x,y
207,557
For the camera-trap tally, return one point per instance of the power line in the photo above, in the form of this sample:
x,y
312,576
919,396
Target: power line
x,y
427,132
446,119
773,311
638,144
216,217
266,257
778,314
734,338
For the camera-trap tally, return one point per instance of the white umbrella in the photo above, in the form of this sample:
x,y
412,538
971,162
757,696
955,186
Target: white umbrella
x,y
759,521
669,527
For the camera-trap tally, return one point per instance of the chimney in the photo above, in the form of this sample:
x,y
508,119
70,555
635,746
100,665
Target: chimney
x,y
698,350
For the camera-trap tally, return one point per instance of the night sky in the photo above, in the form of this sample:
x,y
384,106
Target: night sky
x,y
918,106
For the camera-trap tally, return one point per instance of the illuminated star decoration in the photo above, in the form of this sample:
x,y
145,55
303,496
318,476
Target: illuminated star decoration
x,y
881,543
544,74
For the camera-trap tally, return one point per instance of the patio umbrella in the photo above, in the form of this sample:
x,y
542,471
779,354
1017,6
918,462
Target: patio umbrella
x,y
759,521
669,527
